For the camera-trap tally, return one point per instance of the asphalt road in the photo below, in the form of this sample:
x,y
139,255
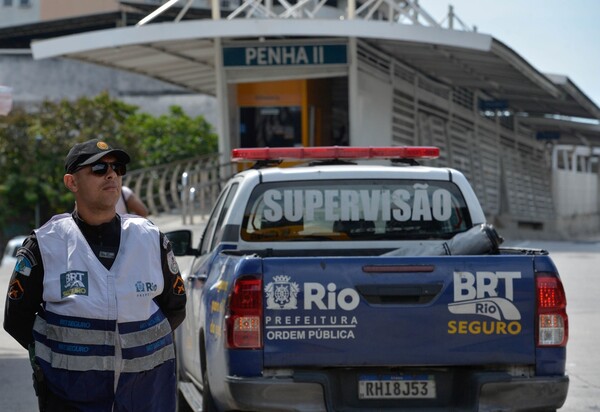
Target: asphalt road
x,y
16,391
578,265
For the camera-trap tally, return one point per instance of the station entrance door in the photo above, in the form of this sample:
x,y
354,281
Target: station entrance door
x,y
301,112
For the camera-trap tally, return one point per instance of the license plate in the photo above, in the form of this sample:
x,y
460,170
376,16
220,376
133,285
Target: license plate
x,y
396,387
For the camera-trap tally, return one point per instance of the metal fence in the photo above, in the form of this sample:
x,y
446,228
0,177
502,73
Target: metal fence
x,y
189,187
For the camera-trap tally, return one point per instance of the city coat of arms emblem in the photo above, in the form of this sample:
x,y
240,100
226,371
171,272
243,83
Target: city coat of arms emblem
x,y
281,293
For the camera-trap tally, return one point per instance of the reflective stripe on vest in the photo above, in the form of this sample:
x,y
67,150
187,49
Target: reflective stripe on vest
x,y
74,362
149,362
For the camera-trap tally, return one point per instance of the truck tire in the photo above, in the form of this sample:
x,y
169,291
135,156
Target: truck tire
x,y
182,405
208,403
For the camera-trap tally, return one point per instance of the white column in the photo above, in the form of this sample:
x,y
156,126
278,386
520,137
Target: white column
x,y
353,109
351,9
221,91
215,7
223,129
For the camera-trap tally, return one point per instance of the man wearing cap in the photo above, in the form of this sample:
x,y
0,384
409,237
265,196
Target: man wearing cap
x,y
95,296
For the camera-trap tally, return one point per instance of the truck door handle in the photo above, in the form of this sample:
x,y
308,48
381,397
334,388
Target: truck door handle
x,y
200,276
400,294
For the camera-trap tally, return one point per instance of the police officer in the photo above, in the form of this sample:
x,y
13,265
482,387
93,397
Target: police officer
x,y
95,296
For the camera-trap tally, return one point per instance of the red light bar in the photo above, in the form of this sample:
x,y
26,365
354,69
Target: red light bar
x,y
334,152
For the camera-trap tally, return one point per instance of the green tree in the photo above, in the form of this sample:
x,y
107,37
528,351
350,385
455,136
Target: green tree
x,y
33,147
170,137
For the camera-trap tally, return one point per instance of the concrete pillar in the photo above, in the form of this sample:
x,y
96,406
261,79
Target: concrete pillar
x,y
222,103
354,113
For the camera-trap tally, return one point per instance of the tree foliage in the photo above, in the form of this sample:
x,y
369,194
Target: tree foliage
x,y
158,135
33,147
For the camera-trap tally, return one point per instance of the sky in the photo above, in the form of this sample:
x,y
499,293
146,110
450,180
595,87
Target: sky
x,y
554,36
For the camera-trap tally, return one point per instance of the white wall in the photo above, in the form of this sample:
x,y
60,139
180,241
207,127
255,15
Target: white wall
x,y
575,193
16,14
33,81
374,105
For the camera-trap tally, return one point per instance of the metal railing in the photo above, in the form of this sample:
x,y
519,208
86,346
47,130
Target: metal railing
x,y
189,187
396,11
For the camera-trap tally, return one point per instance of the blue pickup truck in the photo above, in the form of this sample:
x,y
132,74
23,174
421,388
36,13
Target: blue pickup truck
x,y
358,280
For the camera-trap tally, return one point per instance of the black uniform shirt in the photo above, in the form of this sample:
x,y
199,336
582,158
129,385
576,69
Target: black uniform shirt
x,y
104,239
25,288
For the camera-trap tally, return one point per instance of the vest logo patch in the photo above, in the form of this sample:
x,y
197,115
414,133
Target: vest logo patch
x,y
74,282
145,288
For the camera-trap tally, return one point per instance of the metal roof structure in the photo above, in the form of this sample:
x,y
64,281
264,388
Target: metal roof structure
x,y
571,133
498,71
183,53
21,35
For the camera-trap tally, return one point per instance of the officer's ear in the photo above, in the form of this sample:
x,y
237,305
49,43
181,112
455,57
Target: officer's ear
x,y
70,182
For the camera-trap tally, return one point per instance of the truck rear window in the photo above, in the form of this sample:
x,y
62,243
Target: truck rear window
x,y
349,210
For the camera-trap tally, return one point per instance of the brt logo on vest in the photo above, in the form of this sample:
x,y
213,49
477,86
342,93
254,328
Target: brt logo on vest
x,y
74,282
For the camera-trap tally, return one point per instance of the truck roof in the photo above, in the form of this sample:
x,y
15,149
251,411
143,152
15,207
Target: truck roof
x,y
358,171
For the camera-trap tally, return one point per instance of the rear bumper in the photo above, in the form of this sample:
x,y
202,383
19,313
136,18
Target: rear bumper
x,y
524,394
275,395
322,391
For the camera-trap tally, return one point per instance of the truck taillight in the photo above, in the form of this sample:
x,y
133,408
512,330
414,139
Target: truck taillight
x,y
553,323
244,314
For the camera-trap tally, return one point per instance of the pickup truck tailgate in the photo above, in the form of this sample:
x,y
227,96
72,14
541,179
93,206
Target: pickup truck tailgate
x,y
360,311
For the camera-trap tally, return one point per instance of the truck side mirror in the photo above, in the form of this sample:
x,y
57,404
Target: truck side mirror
x,y
181,242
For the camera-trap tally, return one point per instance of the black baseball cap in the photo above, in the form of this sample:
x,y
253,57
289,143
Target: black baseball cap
x,y
86,153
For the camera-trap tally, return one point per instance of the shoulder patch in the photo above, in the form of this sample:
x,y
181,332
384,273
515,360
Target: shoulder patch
x,y
165,244
23,265
27,254
178,287
15,290
173,266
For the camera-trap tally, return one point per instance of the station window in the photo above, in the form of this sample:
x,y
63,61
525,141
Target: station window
x,y
7,3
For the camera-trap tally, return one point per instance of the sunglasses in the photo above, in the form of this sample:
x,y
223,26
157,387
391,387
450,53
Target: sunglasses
x,y
100,168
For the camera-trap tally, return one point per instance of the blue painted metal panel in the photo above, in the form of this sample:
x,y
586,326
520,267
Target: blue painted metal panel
x,y
315,316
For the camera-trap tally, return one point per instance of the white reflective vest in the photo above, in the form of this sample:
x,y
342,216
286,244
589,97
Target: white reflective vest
x,y
102,327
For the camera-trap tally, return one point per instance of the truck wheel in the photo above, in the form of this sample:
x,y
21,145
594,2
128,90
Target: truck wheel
x,y
208,403
182,405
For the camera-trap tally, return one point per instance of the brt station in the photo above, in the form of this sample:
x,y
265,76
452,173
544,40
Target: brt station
x,y
376,73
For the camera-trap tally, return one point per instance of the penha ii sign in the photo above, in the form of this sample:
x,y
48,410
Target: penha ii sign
x,y
285,55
